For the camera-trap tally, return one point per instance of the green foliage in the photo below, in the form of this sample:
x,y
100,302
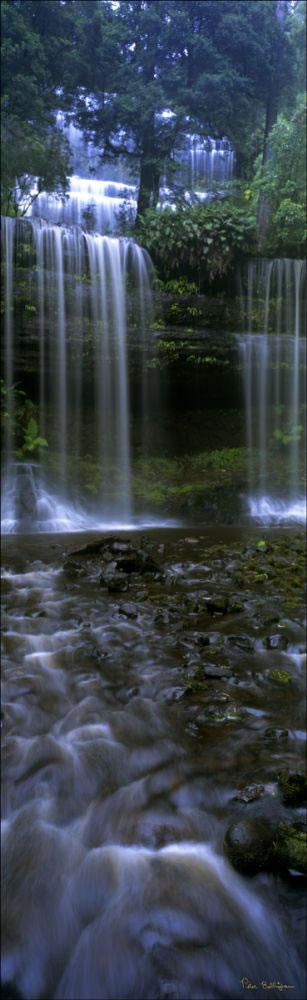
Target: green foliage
x,y
288,231
181,286
213,63
198,240
282,181
31,439
34,37
20,414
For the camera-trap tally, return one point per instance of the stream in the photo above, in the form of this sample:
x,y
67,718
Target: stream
x,y
153,692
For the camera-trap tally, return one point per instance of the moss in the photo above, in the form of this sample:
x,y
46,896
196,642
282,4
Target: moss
x,y
291,848
281,677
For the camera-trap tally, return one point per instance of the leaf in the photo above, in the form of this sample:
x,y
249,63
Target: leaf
x,y
32,427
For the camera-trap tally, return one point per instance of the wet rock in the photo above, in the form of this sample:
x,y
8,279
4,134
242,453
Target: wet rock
x,y
211,670
281,677
74,568
291,848
241,641
130,610
112,549
278,641
250,793
235,608
117,585
276,734
162,617
249,845
293,786
218,604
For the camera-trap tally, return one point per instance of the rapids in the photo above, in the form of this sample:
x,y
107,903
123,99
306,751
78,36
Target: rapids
x,y
119,782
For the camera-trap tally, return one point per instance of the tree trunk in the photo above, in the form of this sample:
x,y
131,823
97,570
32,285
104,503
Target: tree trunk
x,y
149,187
264,208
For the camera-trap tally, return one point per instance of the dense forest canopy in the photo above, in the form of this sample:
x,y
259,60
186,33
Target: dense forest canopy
x,y
134,76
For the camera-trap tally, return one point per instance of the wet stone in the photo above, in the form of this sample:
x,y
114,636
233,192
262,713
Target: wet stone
x,y
241,641
281,677
291,848
277,641
249,845
218,604
293,786
250,793
130,610
210,670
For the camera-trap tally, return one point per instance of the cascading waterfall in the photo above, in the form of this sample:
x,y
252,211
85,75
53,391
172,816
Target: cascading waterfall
x,y
104,200
274,363
209,164
82,369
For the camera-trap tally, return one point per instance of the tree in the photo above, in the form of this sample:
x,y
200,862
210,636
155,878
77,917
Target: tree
x,y
33,148
147,71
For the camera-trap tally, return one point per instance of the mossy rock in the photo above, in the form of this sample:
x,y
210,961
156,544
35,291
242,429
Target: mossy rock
x,y
281,677
293,786
249,845
291,848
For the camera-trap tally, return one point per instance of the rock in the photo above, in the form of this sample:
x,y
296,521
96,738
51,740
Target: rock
x,y
250,793
216,672
242,641
291,848
204,640
218,604
281,677
249,845
162,617
115,582
276,734
278,641
129,609
117,551
293,786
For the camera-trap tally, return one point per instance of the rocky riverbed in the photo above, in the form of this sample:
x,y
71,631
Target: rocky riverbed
x,y
153,722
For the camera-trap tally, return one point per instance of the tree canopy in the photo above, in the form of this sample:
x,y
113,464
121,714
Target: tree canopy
x,y
138,74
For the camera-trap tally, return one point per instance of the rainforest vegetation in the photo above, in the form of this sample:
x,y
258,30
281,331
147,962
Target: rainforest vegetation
x,y
134,77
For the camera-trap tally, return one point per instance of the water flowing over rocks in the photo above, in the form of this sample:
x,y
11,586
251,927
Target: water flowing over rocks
x,y
143,763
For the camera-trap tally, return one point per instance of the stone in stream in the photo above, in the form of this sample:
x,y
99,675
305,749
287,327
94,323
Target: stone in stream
x,y
291,848
293,786
130,610
112,551
249,845
241,641
278,641
250,793
211,670
281,677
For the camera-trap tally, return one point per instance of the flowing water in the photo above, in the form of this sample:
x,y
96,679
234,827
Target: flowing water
x,y
274,372
61,257
139,693
120,779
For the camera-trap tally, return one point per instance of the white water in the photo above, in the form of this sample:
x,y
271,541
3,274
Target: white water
x,y
92,906
73,377
274,372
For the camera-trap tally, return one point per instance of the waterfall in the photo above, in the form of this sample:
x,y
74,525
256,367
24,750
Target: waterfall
x,y
80,288
274,363
102,201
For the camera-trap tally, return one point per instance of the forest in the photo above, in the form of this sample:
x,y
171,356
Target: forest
x,y
153,499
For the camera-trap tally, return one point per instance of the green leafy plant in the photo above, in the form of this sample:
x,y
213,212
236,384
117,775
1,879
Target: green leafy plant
x,y
31,439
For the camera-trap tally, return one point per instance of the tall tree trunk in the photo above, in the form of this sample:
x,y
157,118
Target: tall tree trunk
x,y
264,208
